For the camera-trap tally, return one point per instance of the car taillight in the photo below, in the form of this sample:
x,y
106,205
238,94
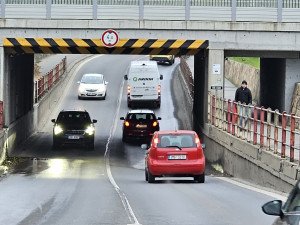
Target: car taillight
x,y
197,141
127,124
154,124
158,90
155,142
128,89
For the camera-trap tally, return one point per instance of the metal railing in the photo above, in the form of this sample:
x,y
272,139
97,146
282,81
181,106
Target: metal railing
x,y
216,3
49,80
276,132
211,10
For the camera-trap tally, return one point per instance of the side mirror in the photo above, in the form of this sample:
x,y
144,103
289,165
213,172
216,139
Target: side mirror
x,y
144,146
78,82
203,146
161,77
158,118
125,77
122,118
53,120
105,82
94,121
273,208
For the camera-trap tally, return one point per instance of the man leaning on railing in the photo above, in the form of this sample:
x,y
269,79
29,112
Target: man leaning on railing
x,y
243,96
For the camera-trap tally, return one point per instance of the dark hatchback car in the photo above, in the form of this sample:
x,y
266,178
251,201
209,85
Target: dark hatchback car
x,y
73,127
288,213
139,124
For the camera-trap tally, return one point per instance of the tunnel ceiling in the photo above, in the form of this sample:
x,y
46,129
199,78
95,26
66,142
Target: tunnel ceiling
x,y
95,46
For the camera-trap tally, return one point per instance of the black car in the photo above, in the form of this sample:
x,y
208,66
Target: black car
x,y
73,127
288,213
139,124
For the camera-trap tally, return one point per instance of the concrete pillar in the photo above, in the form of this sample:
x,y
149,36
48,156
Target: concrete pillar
x,y
291,78
272,83
216,72
200,88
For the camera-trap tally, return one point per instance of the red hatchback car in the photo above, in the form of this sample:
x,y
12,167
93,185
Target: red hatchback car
x,y
175,153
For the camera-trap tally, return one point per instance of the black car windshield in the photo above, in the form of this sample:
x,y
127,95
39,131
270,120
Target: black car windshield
x,y
91,79
140,116
293,202
73,118
179,140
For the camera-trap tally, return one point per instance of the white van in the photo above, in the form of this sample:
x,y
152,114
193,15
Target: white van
x,y
143,83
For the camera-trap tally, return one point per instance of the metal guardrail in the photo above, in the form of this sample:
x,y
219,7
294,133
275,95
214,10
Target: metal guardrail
x,y
276,132
216,3
206,10
49,80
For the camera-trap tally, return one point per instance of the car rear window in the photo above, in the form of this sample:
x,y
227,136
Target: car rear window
x,y
140,116
179,140
73,117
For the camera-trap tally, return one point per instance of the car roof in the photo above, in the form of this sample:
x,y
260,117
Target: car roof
x,y
141,111
175,132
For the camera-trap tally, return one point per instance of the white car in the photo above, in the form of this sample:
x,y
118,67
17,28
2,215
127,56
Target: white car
x,y
92,85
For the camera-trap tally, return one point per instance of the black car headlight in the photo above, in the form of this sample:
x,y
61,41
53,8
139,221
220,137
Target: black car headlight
x,y
90,130
58,130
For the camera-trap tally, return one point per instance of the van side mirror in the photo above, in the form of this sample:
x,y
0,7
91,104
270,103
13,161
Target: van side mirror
x,y
122,118
94,121
125,77
158,118
203,146
53,120
105,82
161,77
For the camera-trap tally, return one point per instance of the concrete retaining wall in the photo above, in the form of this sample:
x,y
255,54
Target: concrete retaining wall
x,y
237,72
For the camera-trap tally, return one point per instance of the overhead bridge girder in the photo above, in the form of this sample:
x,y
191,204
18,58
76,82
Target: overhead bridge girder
x,y
95,46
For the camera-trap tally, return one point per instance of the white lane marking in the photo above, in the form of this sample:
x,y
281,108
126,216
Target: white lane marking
x,y
273,195
123,197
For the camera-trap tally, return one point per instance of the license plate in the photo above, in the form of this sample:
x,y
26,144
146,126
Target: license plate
x,y
90,94
73,137
141,125
176,156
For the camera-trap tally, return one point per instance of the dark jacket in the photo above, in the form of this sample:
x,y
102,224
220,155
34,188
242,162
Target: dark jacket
x,y
243,95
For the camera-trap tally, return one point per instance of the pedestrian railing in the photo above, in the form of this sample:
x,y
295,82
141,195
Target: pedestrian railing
x,y
275,131
187,75
205,10
49,80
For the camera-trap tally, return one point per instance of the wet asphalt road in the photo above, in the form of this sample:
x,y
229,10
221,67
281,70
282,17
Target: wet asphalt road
x,y
74,185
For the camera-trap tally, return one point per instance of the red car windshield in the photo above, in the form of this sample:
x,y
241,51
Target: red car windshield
x,y
178,140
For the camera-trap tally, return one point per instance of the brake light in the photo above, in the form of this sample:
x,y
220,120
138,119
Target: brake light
x,y
158,90
155,142
128,89
197,141
126,124
154,124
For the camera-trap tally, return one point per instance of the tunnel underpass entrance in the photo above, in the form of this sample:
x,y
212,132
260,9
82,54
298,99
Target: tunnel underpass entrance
x,y
18,95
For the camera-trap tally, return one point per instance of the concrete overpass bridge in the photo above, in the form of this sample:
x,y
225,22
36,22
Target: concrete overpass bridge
x,y
209,32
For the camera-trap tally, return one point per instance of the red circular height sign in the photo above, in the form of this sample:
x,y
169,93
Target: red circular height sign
x,y
110,38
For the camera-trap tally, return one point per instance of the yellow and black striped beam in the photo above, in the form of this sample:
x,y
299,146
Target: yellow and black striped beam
x,y
95,46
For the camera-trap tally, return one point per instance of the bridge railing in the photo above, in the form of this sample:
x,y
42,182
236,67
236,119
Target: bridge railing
x,y
194,10
276,132
49,80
